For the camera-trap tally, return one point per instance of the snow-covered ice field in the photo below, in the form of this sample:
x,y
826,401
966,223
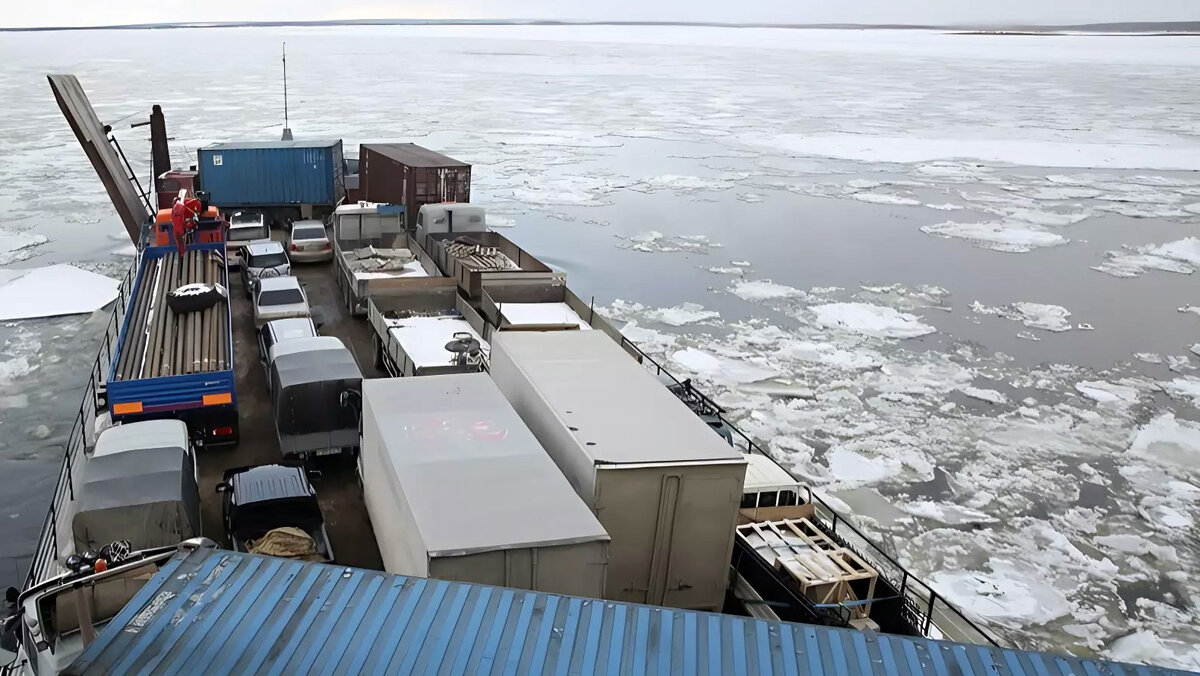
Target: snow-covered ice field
x,y
950,280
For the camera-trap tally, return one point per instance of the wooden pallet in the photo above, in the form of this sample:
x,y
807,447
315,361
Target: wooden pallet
x,y
822,569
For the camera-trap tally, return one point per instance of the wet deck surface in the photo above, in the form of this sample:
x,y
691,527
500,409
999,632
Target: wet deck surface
x,y
338,491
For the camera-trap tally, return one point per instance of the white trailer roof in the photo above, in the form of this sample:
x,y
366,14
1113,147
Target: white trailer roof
x,y
473,475
618,411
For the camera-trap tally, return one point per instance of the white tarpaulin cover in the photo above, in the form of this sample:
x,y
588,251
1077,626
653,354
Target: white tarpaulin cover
x,y
53,291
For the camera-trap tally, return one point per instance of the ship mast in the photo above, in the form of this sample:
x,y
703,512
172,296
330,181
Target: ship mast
x,y
287,131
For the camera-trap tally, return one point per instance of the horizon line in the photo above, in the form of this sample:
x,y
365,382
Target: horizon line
x,y
1008,27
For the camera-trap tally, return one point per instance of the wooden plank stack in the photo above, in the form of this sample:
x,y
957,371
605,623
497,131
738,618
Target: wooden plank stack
x,y
158,342
824,571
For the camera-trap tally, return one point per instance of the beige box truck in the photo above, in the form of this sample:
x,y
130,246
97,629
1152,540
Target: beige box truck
x,y
458,488
664,486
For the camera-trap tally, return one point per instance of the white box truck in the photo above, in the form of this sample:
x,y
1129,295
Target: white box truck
x,y
661,483
458,488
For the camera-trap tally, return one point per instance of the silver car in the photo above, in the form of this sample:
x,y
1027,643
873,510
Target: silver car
x,y
244,227
261,259
279,298
309,243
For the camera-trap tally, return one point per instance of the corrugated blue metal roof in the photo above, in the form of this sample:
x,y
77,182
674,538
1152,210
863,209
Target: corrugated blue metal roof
x,y
217,612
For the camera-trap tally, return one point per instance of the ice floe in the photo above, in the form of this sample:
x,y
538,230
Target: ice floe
x,y
1006,237
909,149
1180,256
1183,388
1146,647
55,290
870,320
1169,442
687,313
1034,315
18,246
1103,392
763,290
653,241
982,394
947,512
883,198
1011,593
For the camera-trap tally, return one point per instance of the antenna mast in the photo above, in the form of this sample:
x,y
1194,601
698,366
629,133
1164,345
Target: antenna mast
x,y
287,131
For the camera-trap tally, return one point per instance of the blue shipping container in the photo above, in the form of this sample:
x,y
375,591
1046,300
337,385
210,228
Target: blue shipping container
x,y
217,612
272,173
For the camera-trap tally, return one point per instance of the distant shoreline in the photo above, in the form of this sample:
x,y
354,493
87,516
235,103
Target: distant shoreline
x,y
1177,28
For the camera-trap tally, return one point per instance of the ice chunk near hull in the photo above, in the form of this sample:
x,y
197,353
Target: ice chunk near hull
x,y
55,291
1011,595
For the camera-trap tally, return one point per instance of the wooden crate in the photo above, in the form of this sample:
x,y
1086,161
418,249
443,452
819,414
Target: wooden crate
x,y
822,569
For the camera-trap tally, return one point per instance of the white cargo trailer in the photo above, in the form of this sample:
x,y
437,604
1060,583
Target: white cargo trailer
x,y
458,488
664,486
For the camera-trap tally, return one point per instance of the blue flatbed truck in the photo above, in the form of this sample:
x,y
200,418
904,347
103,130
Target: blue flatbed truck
x,y
170,365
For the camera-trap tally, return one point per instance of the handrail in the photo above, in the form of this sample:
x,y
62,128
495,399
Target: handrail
x,y
46,553
912,589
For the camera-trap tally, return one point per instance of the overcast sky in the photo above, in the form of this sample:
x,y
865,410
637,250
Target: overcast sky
x,y
93,12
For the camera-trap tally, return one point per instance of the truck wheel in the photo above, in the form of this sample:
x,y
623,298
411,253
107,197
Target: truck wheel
x,y
378,353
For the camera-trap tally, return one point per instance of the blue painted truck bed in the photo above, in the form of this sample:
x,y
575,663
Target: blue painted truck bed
x,y
142,398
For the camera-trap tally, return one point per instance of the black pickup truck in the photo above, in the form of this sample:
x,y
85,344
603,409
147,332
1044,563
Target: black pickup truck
x,y
264,498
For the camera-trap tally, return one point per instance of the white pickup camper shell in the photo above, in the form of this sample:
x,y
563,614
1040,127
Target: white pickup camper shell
x,y
662,484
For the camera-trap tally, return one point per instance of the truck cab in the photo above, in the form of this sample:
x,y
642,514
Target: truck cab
x,y
771,493
259,501
55,620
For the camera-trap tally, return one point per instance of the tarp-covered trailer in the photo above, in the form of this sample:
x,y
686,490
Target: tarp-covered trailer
x,y
411,176
147,496
662,484
315,386
459,489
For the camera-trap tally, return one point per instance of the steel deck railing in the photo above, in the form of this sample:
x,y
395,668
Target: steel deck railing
x,y
46,552
929,608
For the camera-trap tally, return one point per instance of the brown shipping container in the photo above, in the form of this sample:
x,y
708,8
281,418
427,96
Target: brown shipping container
x,y
407,174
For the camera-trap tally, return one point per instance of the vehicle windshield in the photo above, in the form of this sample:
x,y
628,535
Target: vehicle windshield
x,y
270,260
60,617
280,297
308,233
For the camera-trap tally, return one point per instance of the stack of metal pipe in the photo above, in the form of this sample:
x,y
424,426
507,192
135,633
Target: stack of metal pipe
x,y
160,343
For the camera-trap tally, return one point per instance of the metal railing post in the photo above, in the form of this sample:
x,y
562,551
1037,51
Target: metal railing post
x,y
929,616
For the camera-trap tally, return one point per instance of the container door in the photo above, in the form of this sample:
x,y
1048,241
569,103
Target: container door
x,y
701,537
